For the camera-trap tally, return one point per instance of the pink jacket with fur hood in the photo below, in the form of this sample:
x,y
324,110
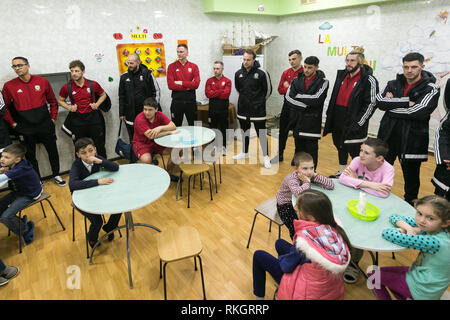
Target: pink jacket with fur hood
x,y
322,278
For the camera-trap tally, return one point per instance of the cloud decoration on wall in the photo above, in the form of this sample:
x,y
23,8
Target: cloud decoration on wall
x,y
325,26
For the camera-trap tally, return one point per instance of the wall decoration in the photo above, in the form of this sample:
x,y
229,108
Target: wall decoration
x,y
110,79
325,26
151,54
157,36
118,36
182,42
99,57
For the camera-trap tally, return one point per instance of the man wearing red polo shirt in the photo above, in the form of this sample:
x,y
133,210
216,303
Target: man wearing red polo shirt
x,y
217,90
295,60
84,119
26,97
183,78
351,105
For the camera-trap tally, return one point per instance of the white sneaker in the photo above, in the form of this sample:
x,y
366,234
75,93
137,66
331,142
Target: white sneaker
x,y
241,156
267,163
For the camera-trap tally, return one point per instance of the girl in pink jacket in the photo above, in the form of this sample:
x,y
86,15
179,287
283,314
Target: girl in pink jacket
x,y
311,268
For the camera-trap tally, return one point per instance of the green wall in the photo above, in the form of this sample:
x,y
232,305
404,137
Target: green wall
x,y
280,7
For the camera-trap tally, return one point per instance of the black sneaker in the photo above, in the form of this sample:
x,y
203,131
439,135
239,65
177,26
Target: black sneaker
x,y
59,181
292,162
174,178
110,236
155,161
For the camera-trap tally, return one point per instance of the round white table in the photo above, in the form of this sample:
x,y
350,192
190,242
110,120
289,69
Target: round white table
x,y
134,187
187,137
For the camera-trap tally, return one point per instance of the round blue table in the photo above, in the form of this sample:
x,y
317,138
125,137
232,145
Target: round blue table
x,y
134,187
187,137
365,235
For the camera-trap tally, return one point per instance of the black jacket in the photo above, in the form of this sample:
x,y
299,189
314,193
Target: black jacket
x,y
361,106
254,89
307,105
4,132
411,123
126,92
441,179
78,172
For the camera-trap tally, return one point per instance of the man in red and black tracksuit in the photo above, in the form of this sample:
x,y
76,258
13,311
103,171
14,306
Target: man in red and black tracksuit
x,y
408,102
305,98
351,106
27,97
295,60
218,90
84,119
5,140
183,78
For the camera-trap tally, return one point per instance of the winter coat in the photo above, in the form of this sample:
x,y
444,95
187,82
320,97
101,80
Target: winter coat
x,y
360,108
308,104
411,121
321,278
254,89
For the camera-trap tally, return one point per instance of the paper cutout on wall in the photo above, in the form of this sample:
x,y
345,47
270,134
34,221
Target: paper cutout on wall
x,y
154,61
183,42
157,36
118,36
443,15
99,57
110,79
325,26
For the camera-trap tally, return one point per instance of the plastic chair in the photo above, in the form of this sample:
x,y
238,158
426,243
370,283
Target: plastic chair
x,y
267,209
177,244
192,170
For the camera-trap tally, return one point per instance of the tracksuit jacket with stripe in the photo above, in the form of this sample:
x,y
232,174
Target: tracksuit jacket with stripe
x,y
413,121
254,89
441,179
308,102
361,106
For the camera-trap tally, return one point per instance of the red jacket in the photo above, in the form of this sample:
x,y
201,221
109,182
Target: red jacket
x,y
188,73
288,75
218,88
29,99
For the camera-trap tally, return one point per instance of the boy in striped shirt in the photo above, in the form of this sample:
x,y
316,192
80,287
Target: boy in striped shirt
x,y
294,184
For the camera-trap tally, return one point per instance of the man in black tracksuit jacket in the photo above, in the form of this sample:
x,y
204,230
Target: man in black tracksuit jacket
x,y
305,98
408,102
135,86
5,140
441,179
348,121
254,88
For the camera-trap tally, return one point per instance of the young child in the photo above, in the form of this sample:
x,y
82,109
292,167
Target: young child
x,y
294,184
7,273
429,276
87,163
26,187
311,268
370,172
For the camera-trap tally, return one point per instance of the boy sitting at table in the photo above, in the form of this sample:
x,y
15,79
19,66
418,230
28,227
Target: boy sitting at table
x,y
370,172
295,183
26,187
87,163
149,125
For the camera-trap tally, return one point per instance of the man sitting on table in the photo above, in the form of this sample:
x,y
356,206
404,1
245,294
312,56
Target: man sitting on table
x,y
149,125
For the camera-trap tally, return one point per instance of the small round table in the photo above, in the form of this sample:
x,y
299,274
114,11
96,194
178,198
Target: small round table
x,y
134,187
187,137
365,235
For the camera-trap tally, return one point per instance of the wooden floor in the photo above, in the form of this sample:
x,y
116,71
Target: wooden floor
x,y
223,224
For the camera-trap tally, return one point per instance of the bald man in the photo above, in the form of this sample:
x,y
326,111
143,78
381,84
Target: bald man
x,y
135,86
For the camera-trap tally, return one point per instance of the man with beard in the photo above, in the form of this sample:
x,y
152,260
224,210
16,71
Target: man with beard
x,y
351,105
84,119
408,102
134,87
26,97
305,98
295,60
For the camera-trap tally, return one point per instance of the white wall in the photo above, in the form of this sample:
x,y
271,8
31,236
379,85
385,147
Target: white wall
x,y
51,33
387,32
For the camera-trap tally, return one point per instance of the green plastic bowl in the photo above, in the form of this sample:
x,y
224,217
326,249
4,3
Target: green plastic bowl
x,y
371,211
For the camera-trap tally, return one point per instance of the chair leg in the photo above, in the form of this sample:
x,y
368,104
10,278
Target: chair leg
x,y
393,255
85,233
164,276
203,281
160,268
220,172
215,176
20,232
73,224
210,184
270,225
279,231
57,217
164,163
251,231
189,189
195,264
43,211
